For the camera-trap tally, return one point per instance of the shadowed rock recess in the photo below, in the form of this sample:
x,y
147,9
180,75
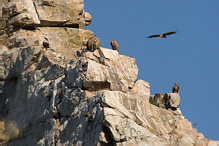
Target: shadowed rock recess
x,y
53,91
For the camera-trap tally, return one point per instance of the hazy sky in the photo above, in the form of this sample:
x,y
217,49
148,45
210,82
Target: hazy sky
x,y
190,57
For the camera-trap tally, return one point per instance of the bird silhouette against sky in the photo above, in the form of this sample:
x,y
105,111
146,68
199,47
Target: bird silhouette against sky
x,y
161,35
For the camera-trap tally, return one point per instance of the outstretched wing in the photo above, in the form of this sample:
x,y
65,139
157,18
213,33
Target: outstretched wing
x,y
152,36
169,33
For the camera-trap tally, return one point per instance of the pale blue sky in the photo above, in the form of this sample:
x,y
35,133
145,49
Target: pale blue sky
x,y
190,57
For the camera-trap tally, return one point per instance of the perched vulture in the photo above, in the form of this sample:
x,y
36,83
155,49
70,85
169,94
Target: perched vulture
x,y
114,45
175,88
96,43
90,43
161,35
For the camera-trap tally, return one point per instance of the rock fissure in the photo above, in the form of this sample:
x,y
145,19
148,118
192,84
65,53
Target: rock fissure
x,y
67,32
36,10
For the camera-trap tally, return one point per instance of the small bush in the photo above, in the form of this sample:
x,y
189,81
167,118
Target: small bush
x,y
152,101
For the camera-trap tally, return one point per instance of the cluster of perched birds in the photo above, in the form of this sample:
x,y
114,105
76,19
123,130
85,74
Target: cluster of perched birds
x,y
93,43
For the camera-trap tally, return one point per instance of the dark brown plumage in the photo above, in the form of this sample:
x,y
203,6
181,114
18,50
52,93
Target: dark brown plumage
x,y
96,43
161,35
175,88
90,43
114,45
46,43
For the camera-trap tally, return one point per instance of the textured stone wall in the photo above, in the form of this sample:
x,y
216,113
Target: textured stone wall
x,y
1,5
47,13
34,34
54,91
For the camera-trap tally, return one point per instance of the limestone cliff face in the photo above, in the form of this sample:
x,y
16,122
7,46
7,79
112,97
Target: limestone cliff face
x,y
54,91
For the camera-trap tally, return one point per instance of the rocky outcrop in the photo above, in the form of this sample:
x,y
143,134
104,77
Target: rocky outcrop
x,y
56,92
119,73
166,101
46,13
83,103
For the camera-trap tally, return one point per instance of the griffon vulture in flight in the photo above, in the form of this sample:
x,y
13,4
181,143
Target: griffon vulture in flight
x,y
162,35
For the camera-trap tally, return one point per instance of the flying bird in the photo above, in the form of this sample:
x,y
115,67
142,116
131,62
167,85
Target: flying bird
x,y
162,35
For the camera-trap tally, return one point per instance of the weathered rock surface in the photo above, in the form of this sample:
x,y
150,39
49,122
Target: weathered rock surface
x,y
172,100
56,92
82,104
3,35
46,13
167,101
119,74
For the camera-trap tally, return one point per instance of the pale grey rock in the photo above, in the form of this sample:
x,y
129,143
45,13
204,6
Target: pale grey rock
x,y
74,39
25,38
68,104
45,133
81,127
93,76
141,90
37,99
58,12
81,23
3,34
71,117
120,73
56,92
28,13
212,143
1,4
172,100
186,141
22,12
88,18
3,49
16,60
75,75
122,118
